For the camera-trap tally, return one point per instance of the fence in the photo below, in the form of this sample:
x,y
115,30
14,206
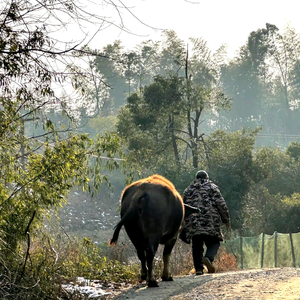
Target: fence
x,y
266,251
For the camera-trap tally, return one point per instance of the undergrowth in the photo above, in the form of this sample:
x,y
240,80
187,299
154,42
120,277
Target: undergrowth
x,y
37,269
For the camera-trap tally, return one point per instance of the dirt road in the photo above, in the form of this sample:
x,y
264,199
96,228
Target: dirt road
x,y
262,284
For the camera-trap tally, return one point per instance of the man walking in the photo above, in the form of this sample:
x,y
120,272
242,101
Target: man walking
x,y
205,227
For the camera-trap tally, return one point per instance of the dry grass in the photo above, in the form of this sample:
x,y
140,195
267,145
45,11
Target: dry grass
x,y
181,262
224,262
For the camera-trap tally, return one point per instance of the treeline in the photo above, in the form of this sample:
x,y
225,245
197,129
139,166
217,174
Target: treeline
x,y
171,109
261,82
180,108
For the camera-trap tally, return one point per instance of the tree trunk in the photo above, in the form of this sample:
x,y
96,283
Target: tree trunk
x,y
173,137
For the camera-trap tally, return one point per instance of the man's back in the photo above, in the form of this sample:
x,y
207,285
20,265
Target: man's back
x,y
205,195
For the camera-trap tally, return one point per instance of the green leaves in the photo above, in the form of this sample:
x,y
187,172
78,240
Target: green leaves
x,y
263,81
293,150
274,195
41,156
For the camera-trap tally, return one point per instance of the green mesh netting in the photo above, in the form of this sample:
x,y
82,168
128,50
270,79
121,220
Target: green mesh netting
x,y
266,251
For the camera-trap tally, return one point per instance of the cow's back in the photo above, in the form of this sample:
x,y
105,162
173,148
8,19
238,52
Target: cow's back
x,y
156,209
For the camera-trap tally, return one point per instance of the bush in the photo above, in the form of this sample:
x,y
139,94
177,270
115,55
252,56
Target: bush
x,y
38,272
225,262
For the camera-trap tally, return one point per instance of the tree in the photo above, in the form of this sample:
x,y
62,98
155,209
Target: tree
x,y
108,65
37,171
147,121
166,115
263,81
284,63
115,75
274,197
293,150
280,171
204,96
232,168
172,55
245,80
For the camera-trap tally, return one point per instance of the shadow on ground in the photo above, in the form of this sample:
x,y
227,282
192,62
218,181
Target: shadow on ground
x,y
166,289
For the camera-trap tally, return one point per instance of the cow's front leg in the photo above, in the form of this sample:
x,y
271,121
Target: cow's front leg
x,y
166,259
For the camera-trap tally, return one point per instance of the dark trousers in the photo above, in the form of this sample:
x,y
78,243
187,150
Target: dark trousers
x,y
212,246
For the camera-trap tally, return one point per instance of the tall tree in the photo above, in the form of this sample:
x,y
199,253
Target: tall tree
x,y
232,167
204,96
168,113
274,196
263,81
149,119
37,170
284,60
245,80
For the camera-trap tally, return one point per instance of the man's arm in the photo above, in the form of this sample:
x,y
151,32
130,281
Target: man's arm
x,y
221,206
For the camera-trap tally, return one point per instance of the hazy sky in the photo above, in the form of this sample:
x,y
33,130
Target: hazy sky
x,y
217,21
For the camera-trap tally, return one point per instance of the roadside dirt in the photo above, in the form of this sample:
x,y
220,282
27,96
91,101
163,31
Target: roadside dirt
x,y
262,284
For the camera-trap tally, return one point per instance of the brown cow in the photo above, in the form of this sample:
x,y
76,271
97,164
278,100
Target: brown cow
x,y
152,212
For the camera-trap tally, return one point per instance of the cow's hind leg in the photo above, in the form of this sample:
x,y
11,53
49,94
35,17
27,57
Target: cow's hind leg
x,y
150,253
142,257
166,258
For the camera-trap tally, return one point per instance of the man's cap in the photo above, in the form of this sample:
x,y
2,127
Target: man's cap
x,y
202,174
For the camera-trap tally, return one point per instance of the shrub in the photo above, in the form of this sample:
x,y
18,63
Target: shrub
x,y
225,261
37,272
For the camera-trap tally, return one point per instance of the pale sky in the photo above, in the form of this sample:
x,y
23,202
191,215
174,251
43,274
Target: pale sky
x,y
217,21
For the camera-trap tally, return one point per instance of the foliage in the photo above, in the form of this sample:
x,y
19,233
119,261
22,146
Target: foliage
x,y
294,200
231,167
38,171
87,260
263,82
57,261
280,173
145,126
101,125
262,211
273,199
161,124
103,90
293,150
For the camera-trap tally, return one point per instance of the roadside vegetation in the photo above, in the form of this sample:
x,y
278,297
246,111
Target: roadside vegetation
x,y
89,121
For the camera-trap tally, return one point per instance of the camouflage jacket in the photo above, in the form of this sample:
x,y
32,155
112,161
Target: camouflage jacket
x,y
207,197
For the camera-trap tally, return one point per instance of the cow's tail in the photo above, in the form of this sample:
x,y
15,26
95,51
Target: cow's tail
x,y
112,242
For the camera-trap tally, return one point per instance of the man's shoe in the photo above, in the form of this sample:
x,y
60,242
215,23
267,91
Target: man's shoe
x,y
199,272
208,264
